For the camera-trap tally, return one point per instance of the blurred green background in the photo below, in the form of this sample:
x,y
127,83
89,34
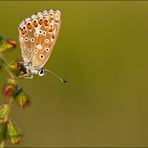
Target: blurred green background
x,y
102,51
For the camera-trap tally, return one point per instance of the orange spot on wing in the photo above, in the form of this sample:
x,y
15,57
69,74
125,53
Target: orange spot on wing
x,y
35,23
46,22
29,26
40,21
23,31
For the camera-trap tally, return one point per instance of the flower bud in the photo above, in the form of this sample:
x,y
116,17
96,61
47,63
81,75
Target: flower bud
x,y
10,88
5,45
3,113
16,68
14,135
22,99
11,44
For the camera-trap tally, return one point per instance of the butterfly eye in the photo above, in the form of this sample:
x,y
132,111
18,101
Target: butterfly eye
x,y
41,72
29,26
40,21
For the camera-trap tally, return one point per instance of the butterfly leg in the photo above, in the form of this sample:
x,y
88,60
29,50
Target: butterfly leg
x,y
27,76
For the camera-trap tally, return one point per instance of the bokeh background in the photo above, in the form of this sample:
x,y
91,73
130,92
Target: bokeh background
x,y
102,51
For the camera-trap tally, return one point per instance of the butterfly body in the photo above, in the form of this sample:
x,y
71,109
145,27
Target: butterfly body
x,y
37,36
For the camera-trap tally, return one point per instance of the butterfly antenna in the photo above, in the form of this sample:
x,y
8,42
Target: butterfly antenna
x,y
54,74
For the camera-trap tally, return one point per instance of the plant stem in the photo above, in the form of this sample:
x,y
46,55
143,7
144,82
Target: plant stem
x,y
9,102
10,99
4,62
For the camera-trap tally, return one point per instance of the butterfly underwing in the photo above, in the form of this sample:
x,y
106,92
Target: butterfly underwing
x,y
37,37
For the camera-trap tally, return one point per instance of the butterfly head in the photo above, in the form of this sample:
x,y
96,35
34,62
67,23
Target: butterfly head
x,y
31,70
41,72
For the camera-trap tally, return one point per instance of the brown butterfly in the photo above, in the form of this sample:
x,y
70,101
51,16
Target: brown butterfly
x,y
37,36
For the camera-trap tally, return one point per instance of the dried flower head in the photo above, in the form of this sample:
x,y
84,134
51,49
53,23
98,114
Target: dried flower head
x,y
11,44
22,99
10,88
14,135
16,68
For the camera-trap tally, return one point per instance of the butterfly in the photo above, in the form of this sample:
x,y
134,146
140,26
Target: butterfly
x,y
37,37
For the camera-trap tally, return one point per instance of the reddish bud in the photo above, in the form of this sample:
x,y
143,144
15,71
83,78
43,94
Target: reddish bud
x,y
16,68
10,88
11,44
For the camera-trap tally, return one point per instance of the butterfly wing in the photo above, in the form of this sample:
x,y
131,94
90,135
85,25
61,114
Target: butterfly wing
x,y
37,36
25,43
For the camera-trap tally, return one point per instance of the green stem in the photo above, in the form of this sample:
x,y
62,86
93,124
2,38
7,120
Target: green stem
x,y
4,62
10,99
9,102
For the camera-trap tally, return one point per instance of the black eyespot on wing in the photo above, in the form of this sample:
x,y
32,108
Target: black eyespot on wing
x,y
41,56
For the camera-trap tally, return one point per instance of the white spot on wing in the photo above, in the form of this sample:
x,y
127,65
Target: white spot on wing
x,y
35,51
27,19
39,46
46,41
34,16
